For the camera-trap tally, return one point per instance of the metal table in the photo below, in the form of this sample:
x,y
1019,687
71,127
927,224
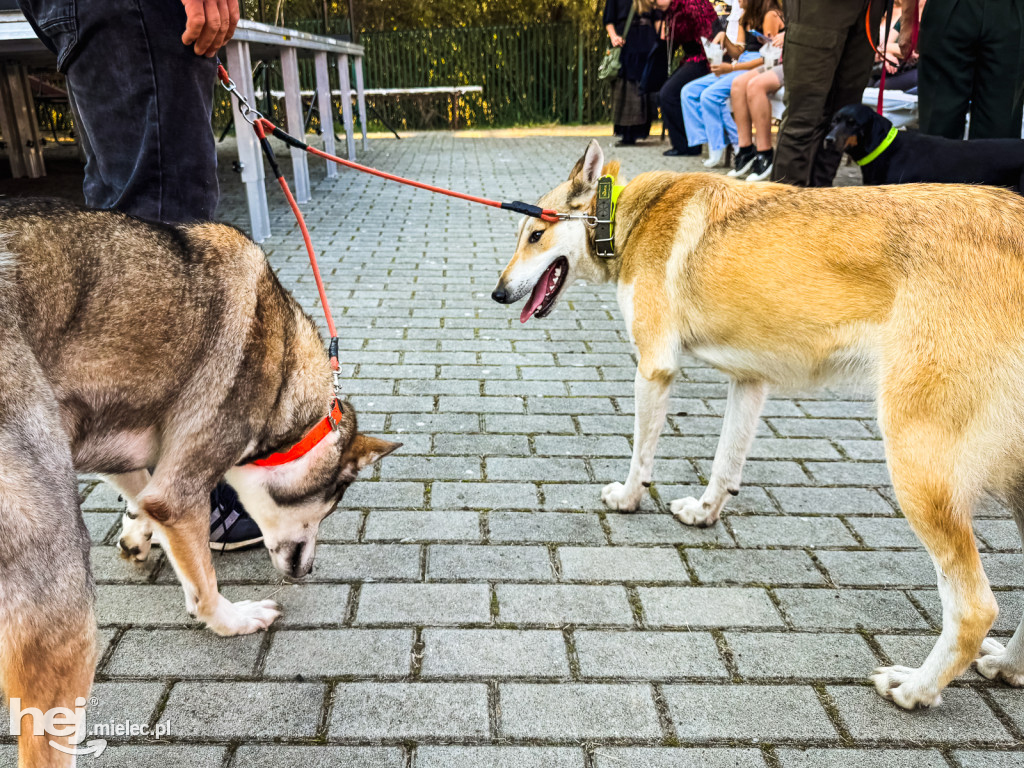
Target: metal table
x,y
20,49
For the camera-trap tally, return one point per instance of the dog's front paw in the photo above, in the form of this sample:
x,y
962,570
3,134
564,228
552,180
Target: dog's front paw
x,y
616,496
906,687
692,512
242,618
136,539
996,665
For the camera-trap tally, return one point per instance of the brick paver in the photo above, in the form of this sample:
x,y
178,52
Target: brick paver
x,y
475,605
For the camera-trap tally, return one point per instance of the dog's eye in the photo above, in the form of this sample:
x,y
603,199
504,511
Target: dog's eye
x,y
536,235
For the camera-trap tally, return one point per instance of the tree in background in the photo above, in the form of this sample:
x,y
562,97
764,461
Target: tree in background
x,y
377,16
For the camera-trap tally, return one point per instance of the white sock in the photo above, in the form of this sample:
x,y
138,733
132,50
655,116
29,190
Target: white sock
x,y
714,157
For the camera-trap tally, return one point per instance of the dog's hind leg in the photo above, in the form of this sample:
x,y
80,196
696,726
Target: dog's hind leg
x,y
650,404
742,411
1007,663
136,537
47,627
922,453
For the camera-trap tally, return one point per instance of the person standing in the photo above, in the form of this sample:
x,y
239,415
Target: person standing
x,y
687,22
141,78
633,107
971,58
828,63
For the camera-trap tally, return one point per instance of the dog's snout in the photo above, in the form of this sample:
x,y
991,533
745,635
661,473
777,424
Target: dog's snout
x,y
499,294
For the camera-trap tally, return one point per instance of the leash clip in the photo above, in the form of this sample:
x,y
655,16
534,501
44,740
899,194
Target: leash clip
x,y
589,219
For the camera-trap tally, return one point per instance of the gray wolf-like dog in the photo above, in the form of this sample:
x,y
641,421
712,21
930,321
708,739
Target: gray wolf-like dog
x,y
128,345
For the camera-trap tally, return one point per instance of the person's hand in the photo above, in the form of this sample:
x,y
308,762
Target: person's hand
x,y
722,69
719,38
617,42
779,39
209,24
890,68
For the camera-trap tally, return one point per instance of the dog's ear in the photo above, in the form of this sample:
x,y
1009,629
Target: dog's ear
x,y
586,172
364,450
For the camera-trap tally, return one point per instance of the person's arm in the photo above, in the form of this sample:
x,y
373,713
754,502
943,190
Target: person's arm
x,y
733,49
909,15
613,36
609,24
209,24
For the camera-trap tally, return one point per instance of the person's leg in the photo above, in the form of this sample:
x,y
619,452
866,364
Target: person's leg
x,y
851,75
718,122
759,91
672,104
693,116
946,69
145,100
740,108
998,94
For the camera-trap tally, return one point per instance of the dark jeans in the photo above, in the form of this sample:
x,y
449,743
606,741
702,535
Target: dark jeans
x,y
972,57
671,103
142,100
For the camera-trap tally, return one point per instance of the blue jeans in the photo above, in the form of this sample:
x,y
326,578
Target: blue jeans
x,y
142,100
706,112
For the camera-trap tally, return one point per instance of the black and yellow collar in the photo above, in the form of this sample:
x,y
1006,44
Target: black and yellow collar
x,y
604,233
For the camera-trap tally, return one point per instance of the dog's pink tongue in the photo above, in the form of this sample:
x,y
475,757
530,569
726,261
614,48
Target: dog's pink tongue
x,y
540,290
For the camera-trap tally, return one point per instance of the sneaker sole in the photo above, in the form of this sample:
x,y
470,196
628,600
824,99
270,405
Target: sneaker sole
x,y
736,173
761,176
232,546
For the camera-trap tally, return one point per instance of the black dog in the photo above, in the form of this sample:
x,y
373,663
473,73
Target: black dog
x,y
910,156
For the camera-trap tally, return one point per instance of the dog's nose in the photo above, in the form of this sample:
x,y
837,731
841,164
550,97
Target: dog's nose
x,y
499,295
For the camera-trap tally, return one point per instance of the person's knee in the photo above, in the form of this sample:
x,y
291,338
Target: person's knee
x,y
714,96
669,95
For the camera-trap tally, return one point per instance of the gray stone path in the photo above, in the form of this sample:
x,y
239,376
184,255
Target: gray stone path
x,y
474,606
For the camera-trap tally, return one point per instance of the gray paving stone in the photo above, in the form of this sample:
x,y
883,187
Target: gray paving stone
x,y
674,757
141,604
863,450
752,500
183,653
885,532
367,562
582,497
753,566
1009,701
831,501
342,525
455,562
534,470
571,528
1011,608
244,710
481,445
420,525
581,445
493,653
663,529
434,604
252,756
979,759
1004,569
103,497
648,655
831,428
134,756
860,758
499,757
999,534
785,656
483,496
716,712
376,711
869,717
770,473
561,604
776,530
850,609
302,604
883,568
431,468
849,473
572,711
907,650
644,564
383,653
99,524
839,409
708,607
384,494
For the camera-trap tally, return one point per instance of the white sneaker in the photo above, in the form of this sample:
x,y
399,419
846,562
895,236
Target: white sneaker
x,y
716,158
762,169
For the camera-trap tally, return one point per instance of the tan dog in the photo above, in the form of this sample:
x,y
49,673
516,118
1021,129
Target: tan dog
x,y
919,289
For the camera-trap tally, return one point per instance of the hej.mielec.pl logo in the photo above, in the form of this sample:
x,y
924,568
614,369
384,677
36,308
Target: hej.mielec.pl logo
x,y
61,722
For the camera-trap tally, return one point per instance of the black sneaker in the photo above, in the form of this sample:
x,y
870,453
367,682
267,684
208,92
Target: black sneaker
x,y
762,168
744,160
231,527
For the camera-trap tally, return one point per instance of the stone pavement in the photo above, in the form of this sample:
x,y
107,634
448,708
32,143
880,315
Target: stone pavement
x,y
474,605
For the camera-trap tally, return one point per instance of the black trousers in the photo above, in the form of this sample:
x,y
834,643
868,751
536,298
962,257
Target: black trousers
x,y
972,57
670,99
827,64
143,100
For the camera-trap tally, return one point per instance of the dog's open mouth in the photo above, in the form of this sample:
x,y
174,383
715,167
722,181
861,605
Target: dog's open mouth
x,y
546,290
